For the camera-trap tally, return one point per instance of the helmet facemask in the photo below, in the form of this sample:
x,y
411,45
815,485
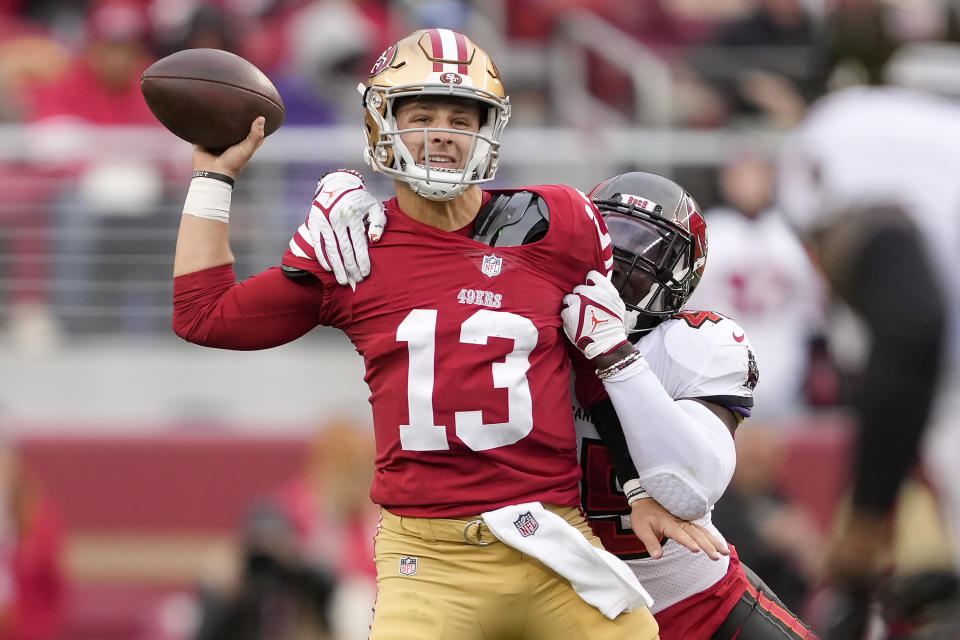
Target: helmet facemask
x,y
389,154
659,244
652,264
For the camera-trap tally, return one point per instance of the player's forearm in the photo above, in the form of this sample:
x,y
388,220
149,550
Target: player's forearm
x,y
201,244
683,452
203,241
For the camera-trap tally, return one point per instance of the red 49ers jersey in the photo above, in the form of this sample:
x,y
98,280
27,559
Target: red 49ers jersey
x,y
466,360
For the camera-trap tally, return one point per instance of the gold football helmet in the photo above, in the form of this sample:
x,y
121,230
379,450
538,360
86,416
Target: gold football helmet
x,y
433,62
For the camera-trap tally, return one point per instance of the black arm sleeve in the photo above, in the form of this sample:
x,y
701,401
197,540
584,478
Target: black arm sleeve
x,y
611,433
895,292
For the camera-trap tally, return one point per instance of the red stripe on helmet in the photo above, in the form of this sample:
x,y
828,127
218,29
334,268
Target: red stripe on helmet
x,y
437,45
461,50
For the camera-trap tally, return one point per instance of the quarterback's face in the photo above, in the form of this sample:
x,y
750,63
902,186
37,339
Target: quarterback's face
x,y
446,149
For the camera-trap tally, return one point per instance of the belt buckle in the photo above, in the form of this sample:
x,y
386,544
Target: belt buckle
x,y
466,534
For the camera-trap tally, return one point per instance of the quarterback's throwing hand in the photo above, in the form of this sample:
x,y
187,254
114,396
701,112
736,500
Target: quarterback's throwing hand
x,y
593,316
343,217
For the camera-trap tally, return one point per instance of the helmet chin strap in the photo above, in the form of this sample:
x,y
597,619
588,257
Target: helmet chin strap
x,y
439,192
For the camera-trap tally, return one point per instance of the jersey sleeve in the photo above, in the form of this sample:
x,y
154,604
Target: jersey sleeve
x,y
300,254
704,356
212,309
578,235
586,386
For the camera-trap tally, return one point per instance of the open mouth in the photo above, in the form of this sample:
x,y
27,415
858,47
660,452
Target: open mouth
x,y
444,162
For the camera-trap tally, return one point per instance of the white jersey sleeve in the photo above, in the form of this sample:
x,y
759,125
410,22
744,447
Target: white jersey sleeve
x,y
701,355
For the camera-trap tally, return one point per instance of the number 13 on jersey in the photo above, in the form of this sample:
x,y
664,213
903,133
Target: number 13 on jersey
x,y
418,330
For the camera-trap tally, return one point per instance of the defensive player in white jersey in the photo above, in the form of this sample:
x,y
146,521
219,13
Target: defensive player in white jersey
x,y
659,424
870,181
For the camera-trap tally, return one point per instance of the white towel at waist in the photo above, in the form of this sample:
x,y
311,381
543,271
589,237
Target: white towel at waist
x,y
598,576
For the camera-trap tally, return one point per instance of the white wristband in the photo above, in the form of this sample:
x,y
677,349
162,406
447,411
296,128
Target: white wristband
x,y
633,491
208,198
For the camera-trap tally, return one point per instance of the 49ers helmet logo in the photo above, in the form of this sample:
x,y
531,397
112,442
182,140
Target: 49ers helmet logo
x,y
384,60
451,78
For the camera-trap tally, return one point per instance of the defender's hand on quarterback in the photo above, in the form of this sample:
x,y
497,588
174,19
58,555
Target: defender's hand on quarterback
x,y
593,316
650,522
343,218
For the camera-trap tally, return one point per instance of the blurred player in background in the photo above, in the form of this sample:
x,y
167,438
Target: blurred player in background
x,y
660,428
760,274
870,181
464,353
279,594
32,585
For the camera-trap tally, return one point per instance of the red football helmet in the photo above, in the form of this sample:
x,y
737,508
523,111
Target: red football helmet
x,y
659,241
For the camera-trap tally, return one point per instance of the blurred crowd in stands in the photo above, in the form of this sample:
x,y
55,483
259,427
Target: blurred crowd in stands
x,y
742,65
70,193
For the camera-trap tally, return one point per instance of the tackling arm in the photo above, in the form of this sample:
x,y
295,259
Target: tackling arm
x,y
682,449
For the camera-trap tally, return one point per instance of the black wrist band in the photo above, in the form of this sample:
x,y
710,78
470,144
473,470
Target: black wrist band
x,y
216,176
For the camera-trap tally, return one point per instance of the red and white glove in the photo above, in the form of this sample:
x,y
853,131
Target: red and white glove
x,y
343,218
593,316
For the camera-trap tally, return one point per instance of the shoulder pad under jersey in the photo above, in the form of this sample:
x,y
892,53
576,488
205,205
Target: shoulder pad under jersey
x,y
512,219
298,275
703,355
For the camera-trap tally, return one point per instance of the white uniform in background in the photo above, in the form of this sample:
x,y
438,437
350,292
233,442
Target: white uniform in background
x,y
880,146
760,274
697,355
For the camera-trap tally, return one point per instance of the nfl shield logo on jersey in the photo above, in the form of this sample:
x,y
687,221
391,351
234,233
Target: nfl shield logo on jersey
x,y
408,566
526,524
491,265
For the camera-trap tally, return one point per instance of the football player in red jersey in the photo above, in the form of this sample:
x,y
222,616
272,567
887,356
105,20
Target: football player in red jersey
x,y
659,422
476,470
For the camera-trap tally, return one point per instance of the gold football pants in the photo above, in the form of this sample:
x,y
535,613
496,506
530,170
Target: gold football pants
x,y
434,584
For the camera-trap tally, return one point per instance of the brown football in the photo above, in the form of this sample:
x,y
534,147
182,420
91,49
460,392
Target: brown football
x,y
209,97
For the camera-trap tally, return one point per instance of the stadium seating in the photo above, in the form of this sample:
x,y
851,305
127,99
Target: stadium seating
x,y
145,515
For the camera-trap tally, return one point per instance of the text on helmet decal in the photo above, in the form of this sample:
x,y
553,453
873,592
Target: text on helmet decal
x,y
637,201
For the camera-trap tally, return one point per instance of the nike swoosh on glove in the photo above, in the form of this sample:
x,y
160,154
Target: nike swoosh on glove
x,y
593,316
343,218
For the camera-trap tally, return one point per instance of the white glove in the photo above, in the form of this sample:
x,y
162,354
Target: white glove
x,y
593,316
341,208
